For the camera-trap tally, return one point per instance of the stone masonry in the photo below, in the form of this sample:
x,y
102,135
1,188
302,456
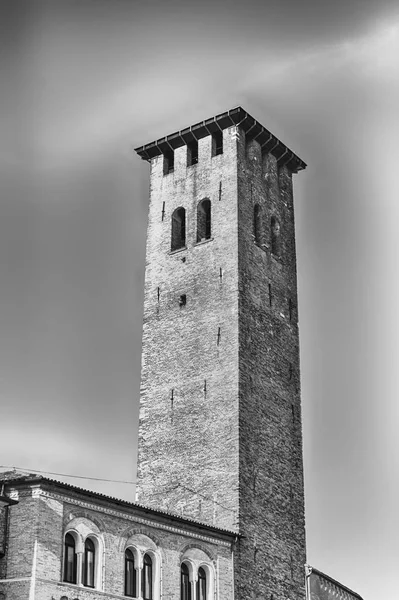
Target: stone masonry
x,y
220,419
32,568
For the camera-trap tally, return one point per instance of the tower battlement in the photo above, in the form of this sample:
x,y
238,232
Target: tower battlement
x,y
233,117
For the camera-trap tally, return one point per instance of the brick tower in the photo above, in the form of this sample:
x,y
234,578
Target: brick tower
x,y
220,416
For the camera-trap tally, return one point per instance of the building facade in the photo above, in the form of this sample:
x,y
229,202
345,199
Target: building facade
x,y
65,543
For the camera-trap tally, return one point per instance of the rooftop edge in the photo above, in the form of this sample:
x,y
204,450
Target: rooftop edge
x,y
233,117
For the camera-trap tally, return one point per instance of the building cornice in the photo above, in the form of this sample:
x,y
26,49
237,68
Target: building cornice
x,y
233,117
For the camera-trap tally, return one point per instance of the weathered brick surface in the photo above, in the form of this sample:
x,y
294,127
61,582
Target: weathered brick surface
x,y
37,573
241,443
272,553
184,444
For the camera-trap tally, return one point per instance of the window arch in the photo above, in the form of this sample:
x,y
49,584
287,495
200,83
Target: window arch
x,y
70,559
146,578
185,585
130,574
89,562
178,229
204,220
201,584
257,224
275,232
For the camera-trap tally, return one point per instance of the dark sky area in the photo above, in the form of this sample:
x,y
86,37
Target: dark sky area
x,y
83,83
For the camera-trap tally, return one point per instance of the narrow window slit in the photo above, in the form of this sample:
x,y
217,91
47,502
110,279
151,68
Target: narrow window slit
x,y
183,300
204,220
217,143
163,211
220,274
275,235
257,224
178,239
168,162
158,293
220,190
270,294
205,388
218,340
192,153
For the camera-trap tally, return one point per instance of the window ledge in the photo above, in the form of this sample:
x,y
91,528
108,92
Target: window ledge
x,y
203,242
178,250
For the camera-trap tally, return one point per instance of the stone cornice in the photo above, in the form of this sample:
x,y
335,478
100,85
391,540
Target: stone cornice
x,y
233,117
133,518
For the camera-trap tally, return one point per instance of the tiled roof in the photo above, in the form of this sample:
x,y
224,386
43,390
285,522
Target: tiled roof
x,y
17,478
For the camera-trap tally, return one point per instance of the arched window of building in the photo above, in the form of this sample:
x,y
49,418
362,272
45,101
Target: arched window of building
x,y
89,557
275,231
130,574
178,229
70,559
201,585
204,220
257,224
146,578
185,586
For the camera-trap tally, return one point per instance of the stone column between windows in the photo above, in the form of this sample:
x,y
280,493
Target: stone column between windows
x,y
193,578
79,568
138,577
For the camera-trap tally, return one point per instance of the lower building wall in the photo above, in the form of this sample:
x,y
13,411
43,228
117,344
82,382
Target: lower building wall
x,y
15,590
167,543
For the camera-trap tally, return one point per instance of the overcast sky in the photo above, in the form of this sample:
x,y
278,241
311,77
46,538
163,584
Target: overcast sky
x,y
84,82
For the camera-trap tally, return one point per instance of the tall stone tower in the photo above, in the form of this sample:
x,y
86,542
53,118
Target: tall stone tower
x,y
220,416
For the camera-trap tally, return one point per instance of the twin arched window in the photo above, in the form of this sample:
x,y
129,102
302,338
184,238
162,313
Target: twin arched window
x,y
88,562
131,576
178,239
185,584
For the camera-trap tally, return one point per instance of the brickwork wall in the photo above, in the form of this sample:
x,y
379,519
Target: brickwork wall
x,y
54,513
15,590
248,428
272,552
22,532
184,444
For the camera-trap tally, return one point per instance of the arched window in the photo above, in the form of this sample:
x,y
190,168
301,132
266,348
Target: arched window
x,y
69,559
257,224
89,563
130,574
178,229
275,230
185,586
146,578
204,220
201,584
